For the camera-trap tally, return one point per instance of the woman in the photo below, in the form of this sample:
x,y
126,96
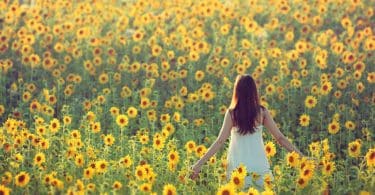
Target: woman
x,y
244,121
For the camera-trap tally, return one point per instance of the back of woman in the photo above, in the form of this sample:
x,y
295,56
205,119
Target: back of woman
x,y
248,150
243,123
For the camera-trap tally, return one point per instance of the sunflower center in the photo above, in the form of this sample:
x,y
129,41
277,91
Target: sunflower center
x,y
372,156
21,178
225,192
236,181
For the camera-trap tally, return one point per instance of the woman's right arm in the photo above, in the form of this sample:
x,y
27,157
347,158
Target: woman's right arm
x,y
270,124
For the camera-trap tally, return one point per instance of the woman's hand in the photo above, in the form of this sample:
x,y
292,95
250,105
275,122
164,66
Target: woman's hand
x,y
195,171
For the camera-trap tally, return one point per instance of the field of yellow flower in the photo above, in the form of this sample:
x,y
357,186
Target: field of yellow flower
x,y
124,96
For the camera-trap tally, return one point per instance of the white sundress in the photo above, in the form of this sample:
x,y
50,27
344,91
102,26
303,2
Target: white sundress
x,y
249,150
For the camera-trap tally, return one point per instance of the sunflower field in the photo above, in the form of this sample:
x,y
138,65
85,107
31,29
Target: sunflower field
x,y
123,97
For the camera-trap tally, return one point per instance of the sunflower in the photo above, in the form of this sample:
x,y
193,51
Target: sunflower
x,y
173,157
326,88
164,118
176,116
151,177
224,62
126,161
237,180
22,179
270,89
47,179
144,139
337,94
325,145
75,134
79,185
310,101
268,181
307,172
151,115
145,102
270,149
227,189
208,95
54,125
41,130
103,78
328,168
339,72
354,148
371,77
101,166
91,187
145,187
194,56
169,189
132,112
138,35
26,96
169,128
172,166
122,120
333,127
200,150
315,148
190,146
292,159
302,182
156,50
158,143
126,92
67,120
79,160
304,120
246,44
18,157
224,30
268,192
212,160
90,115
370,157
254,176
193,97
117,185
109,140
358,67
242,170
34,106
101,99
252,191
6,178
199,75
360,87
39,158
88,173
44,144
95,127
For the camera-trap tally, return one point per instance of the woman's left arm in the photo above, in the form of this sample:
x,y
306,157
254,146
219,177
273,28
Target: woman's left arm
x,y
219,142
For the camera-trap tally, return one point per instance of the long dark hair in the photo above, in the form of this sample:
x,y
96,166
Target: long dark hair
x,y
245,104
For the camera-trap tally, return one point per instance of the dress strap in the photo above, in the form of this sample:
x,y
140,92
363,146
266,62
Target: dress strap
x,y
231,117
230,113
263,114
